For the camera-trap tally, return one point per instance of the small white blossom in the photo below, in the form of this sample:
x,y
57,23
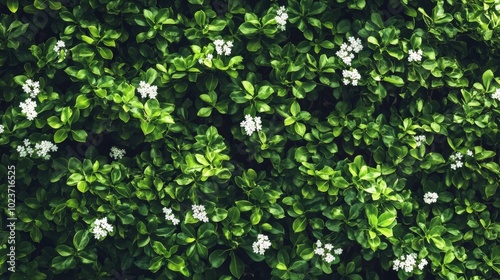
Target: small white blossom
x,y
169,216
116,153
415,56
223,47
329,258
328,246
32,88
60,45
146,90
496,95
261,245
408,263
419,139
43,148
346,50
251,124
281,18
423,262
319,251
101,228
199,213
326,251
209,58
351,77
2,128
470,153
28,108
430,197
457,161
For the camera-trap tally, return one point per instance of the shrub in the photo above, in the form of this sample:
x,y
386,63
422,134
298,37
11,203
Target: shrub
x,y
203,139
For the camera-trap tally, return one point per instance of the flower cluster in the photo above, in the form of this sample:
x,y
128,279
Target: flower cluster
x,y
351,77
457,158
116,153
42,149
29,105
470,153
28,108
32,88
223,47
430,197
101,228
209,58
261,245
415,56
146,90
60,45
408,263
251,124
169,216
496,95
346,52
281,18
325,251
419,139
199,213
26,149
1,128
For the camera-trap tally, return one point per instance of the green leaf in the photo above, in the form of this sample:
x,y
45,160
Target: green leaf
x,y
60,263
13,5
176,263
60,135
248,87
217,258
386,219
487,78
79,135
81,239
299,224
64,250
236,266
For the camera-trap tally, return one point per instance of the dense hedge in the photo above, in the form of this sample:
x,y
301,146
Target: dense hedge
x,y
248,139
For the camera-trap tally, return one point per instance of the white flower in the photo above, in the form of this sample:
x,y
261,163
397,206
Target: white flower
x,y
28,108
328,246
459,164
423,262
338,251
351,76
43,148
281,18
261,245
223,47
419,139
169,216
470,153
319,251
346,50
146,90
415,55
2,128
457,158
408,263
60,45
318,243
329,258
199,213
496,95
101,228
430,197
32,88
251,124
116,153
453,166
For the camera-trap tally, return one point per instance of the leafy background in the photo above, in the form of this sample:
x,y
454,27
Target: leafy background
x,y
333,162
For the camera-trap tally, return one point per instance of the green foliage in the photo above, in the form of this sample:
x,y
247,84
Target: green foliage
x,y
333,162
